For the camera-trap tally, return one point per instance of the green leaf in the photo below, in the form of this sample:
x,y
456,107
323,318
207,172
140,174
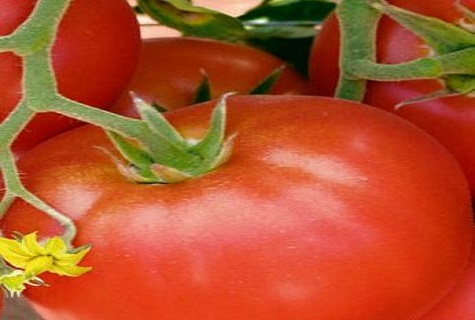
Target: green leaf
x,y
195,21
286,28
294,51
281,30
286,18
292,12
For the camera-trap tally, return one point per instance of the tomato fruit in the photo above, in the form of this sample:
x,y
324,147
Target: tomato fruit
x,y
94,56
322,212
170,71
449,119
460,303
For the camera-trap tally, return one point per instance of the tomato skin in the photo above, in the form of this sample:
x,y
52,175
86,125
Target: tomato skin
x,y
170,70
460,303
451,120
94,57
322,205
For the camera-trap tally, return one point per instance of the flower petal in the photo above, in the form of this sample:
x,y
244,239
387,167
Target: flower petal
x,y
13,252
31,245
69,270
39,265
55,245
72,258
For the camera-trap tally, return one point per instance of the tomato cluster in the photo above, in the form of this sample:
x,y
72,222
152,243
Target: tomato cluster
x,y
321,208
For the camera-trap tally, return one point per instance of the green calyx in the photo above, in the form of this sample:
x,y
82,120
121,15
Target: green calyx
x,y
176,158
453,47
204,91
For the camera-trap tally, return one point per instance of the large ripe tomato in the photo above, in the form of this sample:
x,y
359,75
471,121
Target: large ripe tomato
x,y
323,212
460,303
170,71
450,119
94,57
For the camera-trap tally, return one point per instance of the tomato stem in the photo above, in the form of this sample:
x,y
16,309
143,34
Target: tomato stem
x,y
39,30
358,22
15,189
454,47
32,41
441,36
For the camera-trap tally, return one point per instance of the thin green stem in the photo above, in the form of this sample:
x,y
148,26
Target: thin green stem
x,y
458,62
441,36
33,41
5,44
11,127
358,22
15,188
39,30
454,62
42,96
416,69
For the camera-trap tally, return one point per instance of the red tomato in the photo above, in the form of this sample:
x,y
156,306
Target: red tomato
x,y
323,212
170,71
93,57
450,119
460,303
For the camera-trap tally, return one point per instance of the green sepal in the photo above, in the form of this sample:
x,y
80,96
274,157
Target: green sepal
x,y
265,86
203,91
159,124
138,161
131,152
209,147
173,158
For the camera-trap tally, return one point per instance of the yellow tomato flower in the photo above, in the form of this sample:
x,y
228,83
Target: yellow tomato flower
x,y
34,258
15,281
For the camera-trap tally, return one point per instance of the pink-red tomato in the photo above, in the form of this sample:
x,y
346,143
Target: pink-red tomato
x,y
460,303
94,56
322,212
450,119
171,69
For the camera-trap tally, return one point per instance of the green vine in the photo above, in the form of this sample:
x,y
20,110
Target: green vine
x,y
33,42
454,47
